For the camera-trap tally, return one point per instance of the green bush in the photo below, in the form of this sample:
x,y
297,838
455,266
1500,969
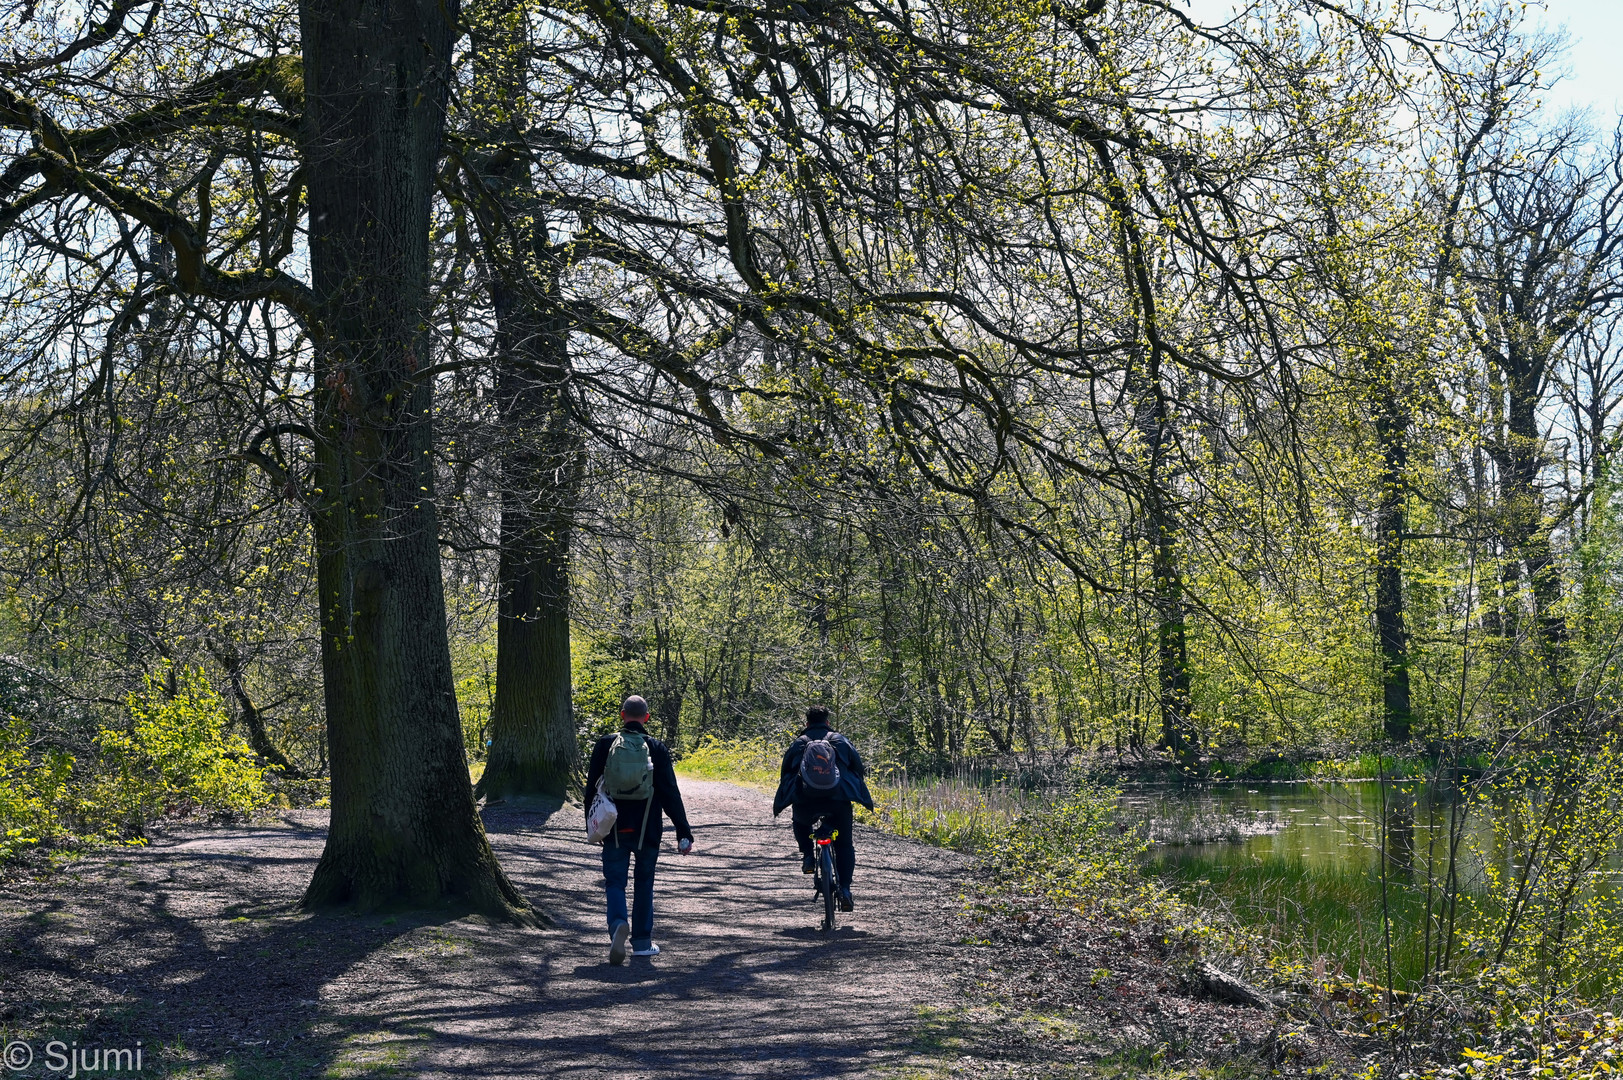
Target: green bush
x,y
1069,849
1552,918
176,757
1574,1048
33,788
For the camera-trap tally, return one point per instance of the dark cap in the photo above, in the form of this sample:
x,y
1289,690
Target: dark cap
x,y
635,708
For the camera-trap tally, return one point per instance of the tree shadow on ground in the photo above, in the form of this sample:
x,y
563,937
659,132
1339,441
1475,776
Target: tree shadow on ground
x,y
200,956
195,948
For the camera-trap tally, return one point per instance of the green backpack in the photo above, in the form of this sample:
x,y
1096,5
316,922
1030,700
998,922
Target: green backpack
x,y
629,772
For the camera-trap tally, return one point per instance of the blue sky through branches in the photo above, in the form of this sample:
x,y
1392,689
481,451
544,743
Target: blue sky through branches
x,y
1595,78
1592,68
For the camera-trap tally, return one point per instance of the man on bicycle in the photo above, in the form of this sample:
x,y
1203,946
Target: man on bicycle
x,y
822,776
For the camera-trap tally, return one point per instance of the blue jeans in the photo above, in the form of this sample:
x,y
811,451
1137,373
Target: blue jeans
x,y
616,865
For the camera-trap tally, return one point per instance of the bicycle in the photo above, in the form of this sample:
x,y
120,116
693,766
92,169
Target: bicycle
x,y
823,881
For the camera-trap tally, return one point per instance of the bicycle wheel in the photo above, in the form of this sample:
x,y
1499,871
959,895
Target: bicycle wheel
x,y
826,868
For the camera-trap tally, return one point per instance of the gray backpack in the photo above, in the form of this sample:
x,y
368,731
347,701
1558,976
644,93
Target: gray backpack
x,y
629,771
820,764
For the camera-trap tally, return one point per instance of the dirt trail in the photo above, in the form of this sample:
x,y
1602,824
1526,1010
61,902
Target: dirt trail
x,y
192,945
742,970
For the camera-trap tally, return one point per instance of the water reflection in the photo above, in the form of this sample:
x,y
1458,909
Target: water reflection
x,y
1317,863
1305,860
1335,824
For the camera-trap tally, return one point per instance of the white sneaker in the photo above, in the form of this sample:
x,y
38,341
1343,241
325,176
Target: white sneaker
x,y
652,950
617,944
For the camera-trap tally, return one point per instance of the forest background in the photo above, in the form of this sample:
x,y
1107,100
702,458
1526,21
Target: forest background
x,y
389,388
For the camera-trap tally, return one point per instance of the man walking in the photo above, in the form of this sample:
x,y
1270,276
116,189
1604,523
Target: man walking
x,y
635,771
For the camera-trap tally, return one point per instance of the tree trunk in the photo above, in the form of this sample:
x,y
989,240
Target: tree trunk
x,y
1526,535
1174,700
1171,636
1392,638
253,721
533,748
404,829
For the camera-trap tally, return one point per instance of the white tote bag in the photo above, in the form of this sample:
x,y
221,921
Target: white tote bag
x,y
600,820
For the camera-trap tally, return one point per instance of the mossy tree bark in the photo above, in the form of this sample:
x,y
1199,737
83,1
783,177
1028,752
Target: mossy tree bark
x,y
533,748
404,827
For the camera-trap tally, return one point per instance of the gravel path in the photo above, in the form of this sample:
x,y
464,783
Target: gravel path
x,y
192,945
745,983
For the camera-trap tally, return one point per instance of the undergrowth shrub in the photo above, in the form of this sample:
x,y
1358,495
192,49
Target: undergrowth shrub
x,y
176,757
1553,918
33,789
1572,1049
1071,849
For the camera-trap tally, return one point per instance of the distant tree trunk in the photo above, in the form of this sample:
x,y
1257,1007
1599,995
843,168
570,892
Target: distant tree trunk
x,y
1174,700
1526,535
1171,636
1391,521
404,829
669,714
253,721
671,686
533,748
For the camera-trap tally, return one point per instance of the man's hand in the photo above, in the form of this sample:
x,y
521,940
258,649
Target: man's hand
x,y
684,847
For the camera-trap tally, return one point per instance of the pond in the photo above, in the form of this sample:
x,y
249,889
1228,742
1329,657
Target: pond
x,y
1302,861
1322,824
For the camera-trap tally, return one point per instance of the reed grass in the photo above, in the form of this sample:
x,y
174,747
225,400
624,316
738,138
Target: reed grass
x,y
949,812
1328,916
946,812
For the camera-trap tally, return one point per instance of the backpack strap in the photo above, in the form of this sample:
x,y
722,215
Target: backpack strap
x,y
642,834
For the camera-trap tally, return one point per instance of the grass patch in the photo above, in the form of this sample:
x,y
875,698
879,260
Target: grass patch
x,y
961,1042
382,1053
1330,917
288,1064
748,762
942,812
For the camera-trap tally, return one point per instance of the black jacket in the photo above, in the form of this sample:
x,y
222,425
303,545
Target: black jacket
x,y
853,785
667,800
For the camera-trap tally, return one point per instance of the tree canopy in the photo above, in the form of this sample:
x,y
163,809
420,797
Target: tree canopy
x,y
1014,377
